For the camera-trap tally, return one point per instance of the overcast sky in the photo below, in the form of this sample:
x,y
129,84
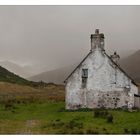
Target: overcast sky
x,y
55,36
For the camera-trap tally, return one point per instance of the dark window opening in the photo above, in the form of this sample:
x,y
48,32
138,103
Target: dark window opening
x,y
85,73
84,82
84,77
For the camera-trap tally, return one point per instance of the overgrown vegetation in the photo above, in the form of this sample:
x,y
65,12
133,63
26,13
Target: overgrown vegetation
x,y
13,93
103,113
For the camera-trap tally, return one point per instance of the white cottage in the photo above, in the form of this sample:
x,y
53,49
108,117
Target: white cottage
x,y
98,81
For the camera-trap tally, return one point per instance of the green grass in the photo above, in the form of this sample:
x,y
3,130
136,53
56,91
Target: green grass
x,y
51,118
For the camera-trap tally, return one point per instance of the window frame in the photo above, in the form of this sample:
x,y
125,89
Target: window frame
x,y
84,77
85,73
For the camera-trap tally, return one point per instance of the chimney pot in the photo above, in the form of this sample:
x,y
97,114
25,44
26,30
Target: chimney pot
x,y
97,31
115,57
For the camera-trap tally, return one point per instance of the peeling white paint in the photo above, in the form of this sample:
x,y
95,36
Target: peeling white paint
x,y
107,86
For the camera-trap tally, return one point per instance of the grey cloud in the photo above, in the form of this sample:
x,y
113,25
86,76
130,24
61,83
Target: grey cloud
x,y
54,36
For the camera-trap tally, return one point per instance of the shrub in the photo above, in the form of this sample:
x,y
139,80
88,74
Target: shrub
x,y
91,131
126,131
70,131
96,113
104,129
8,104
134,131
57,124
100,113
110,118
76,131
74,124
57,120
62,131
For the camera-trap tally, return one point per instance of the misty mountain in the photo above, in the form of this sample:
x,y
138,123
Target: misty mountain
x,y
56,76
23,71
131,65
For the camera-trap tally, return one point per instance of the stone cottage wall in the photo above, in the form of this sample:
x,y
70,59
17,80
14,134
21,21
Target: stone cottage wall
x,y
106,85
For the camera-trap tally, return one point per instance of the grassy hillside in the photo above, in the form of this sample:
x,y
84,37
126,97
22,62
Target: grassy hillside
x,y
9,77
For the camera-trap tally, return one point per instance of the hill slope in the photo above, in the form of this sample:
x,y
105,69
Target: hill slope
x,y
17,69
56,76
131,65
7,76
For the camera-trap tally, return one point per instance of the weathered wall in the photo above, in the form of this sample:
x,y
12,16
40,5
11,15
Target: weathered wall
x,y
137,101
106,85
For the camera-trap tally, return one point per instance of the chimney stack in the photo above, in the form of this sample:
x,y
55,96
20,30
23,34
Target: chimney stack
x,y
115,57
97,41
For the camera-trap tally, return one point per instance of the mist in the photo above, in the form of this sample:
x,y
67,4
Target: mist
x,y
50,37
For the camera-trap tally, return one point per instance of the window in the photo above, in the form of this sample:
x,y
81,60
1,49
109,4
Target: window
x,y
85,73
84,77
84,82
